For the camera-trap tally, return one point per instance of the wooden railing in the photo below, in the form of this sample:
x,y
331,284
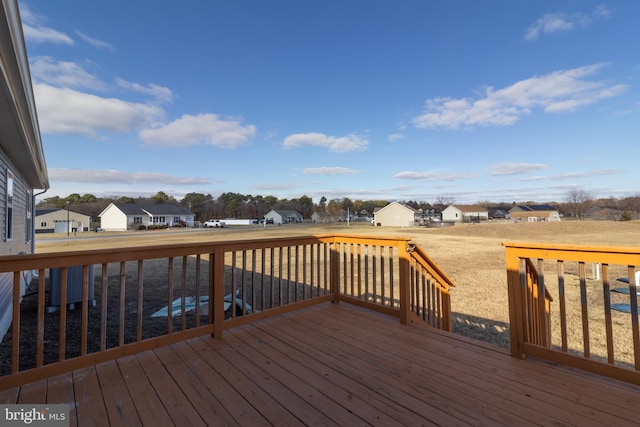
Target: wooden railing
x,y
134,299
538,300
430,299
576,305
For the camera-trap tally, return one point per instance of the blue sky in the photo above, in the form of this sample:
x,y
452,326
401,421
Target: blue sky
x,y
474,100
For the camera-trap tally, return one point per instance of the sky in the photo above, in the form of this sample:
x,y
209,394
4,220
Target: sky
x,y
467,100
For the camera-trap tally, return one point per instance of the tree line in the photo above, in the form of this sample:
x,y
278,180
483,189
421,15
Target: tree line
x,y
576,203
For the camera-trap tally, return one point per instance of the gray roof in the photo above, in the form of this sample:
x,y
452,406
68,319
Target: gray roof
x,y
152,209
287,213
45,211
533,208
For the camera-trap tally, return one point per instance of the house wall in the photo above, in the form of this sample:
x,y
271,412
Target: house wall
x,y
395,215
114,219
451,213
47,222
22,222
21,240
275,216
536,216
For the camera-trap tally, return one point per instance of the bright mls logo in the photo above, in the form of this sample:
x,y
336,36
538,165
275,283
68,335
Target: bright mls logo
x,y
38,415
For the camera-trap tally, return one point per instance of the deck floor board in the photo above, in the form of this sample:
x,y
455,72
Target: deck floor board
x,y
333,364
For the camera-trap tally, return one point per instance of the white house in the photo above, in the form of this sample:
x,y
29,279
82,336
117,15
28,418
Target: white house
x,y
61,221
22,164
321,217
129,216
534,213
395,215
465,213
283,216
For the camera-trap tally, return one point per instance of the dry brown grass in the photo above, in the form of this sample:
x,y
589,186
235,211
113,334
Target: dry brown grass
x,y
472,255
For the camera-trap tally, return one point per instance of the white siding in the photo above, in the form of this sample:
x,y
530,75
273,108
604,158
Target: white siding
x,y
113,219
451,213
395,215
19,243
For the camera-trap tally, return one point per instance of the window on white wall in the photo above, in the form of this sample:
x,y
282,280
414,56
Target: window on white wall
x,y
9,213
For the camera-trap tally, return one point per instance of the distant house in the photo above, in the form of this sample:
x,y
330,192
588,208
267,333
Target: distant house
x,y
599,213
22,164
322,217
283,216
534,213
61,221
464,213
395,215
532,208
362,215
498,214
129,216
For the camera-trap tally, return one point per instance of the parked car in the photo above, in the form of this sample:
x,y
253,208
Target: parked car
x,y
213,223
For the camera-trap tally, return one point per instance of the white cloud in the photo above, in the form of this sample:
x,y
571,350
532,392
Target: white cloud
x,y
207,129
99,44
549,24
325,170
560,91
346,143
396,136
67,111
66,74
35,32
45,35
421,176
432,176
586,174
109,176
160,93
602,11
516,168
274,187
552,23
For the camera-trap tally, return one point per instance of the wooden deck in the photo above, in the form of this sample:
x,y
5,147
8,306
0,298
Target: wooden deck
x,y
333,364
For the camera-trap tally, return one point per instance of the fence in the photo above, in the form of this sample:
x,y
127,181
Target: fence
x,y
146,297
576,305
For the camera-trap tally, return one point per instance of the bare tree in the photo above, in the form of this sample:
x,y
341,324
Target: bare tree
x,y
442,202
631,206
578,202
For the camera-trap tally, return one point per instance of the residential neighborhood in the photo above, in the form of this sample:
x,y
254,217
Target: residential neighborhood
x,y
133,216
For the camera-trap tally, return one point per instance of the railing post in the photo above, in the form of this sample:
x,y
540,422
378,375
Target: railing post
x,y
335,271
404,276
516,310
217,290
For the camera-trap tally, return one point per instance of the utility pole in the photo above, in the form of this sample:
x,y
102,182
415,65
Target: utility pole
x,y
68,223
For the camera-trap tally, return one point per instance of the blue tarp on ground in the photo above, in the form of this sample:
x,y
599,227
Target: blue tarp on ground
x,y
625,291
625,308
190,305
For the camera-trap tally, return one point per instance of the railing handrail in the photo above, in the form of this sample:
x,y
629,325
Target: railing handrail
x,y
9,263
427,262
